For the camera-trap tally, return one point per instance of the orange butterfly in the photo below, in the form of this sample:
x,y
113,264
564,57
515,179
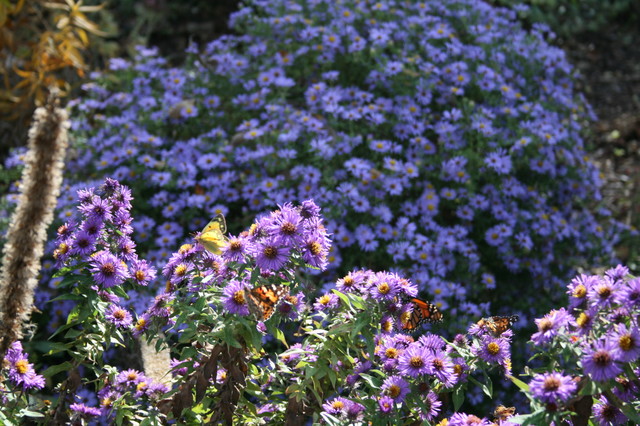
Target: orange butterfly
x,y
422,311
263,301
496,325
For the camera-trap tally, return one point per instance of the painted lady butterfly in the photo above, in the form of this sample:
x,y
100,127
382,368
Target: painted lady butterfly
x,y
263,301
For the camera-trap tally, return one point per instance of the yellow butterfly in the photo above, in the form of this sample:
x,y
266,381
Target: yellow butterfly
x,y
212,236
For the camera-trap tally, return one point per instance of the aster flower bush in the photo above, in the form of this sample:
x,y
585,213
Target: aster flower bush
x,y
440,138
246,346
590,354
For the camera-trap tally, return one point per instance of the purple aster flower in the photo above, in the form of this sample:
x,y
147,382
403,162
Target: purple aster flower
x,y
97,209
626,343
579,287
108,270
550,325
492,349
271,254
415,361
432,404
608,414
118,316
142,273
384,286
617,273
309,209
236,249
336,406
314,252
396,388
130,377
629,294
442,369
286,225
463,419
603,293
142,325
21,372
82,411
326,302
552,388
83,244
293,305
386,404
234,298
598,361
354,412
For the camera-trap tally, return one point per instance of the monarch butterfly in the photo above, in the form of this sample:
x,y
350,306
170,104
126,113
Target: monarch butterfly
x,y
263,301
422,311
496,325
212,236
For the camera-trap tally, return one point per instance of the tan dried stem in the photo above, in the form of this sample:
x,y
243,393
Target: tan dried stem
x,y
157,364
27,234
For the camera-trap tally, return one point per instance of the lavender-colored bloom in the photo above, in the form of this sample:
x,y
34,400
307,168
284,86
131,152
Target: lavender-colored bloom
x,y
234,298
598,361
236,249
579,287
271,254
433,405
293,306
336,406
603,293
626,343
552,387
608,414
385,403
142,273
21,372
83,244
463,419
287,226
326,302
415,361
108,270
97,209
395,387
83,411
442,369
118,316
492,349
550,325
629,294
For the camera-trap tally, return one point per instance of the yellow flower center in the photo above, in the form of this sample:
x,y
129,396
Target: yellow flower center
x,y
493,348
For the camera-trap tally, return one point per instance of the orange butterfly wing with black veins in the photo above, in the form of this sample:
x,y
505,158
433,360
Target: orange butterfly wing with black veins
x,y
263,301
497,325
422,311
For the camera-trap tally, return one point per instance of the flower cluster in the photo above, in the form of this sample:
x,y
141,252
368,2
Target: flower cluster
x,y
19,371
592,349
399,377
440,138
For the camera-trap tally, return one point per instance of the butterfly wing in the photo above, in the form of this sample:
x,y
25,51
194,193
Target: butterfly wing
x,y
497,325
263,301
212,236
422,311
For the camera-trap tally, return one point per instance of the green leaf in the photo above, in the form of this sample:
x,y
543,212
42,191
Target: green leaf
x,y
55,369
458,398
519,383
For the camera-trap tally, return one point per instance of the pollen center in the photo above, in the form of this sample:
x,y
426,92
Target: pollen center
x,y
493,348
551,384
416,362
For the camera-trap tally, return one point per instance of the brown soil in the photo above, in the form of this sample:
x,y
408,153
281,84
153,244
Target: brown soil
x,y
609,62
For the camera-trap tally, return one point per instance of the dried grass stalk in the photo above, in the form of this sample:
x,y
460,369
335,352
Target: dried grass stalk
x,y
27,234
